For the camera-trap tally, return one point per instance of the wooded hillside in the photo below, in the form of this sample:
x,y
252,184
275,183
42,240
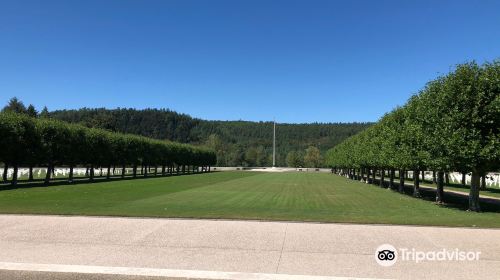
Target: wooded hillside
x,y
237,143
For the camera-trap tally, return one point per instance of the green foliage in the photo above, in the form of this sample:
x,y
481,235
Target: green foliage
x,y
452,124
18,138
294,159
236,143
312,158
15,106
48,142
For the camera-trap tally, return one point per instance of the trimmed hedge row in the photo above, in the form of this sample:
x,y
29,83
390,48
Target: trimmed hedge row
x,y
26,141
453,124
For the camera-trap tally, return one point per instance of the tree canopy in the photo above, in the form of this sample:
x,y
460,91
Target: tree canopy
x,y
28,141
452,124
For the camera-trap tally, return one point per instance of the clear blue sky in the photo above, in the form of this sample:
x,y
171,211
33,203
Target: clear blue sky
x,y
298,61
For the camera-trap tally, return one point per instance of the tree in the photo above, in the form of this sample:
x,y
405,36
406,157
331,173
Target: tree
x,y
256,156
215,143
15,106
312,157
294,159
471,95
45,112
31,111
18,138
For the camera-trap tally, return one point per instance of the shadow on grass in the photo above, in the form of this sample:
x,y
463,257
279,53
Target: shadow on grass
x,y
451,200
4,186
465,188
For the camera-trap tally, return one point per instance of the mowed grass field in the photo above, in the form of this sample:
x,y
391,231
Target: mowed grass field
x,y
242,195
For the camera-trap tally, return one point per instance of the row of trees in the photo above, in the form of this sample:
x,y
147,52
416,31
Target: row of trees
x,y
452,124
28,141
310,158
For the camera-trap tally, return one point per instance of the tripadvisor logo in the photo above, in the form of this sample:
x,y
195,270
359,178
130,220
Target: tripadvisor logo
x,y
387,255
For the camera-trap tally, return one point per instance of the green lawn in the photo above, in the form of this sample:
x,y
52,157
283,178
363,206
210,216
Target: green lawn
x,y
242,195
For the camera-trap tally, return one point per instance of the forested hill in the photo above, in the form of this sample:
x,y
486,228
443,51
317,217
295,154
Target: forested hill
x,y
236,142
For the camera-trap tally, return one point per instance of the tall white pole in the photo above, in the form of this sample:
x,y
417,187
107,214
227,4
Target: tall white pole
x,y
274,144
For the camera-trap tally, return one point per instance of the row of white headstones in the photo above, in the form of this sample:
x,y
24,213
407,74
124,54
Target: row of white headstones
x,y
40,172
492,179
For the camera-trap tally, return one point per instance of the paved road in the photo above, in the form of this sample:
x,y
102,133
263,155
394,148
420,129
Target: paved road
x,y
43,247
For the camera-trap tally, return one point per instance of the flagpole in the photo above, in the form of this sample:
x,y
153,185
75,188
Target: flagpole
x,y
274,144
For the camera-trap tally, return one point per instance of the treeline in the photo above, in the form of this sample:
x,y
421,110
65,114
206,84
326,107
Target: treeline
x,y
244,143
237,143
452,124
29,142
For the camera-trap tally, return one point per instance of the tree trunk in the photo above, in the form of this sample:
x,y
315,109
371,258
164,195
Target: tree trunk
x,y
474,192
464,179
209,168
423,176
123,171
368,171
439,188
434,177
447,178
14,175
382,178
91,175
183,169
156,170
391,179
145,168
30,175
86,172
134,171
108,172
100,171
483,182
416,184
163,170
47,175
5,171
402,174
70,179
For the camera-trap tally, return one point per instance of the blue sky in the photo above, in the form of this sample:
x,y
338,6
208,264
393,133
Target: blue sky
x,y
298,61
